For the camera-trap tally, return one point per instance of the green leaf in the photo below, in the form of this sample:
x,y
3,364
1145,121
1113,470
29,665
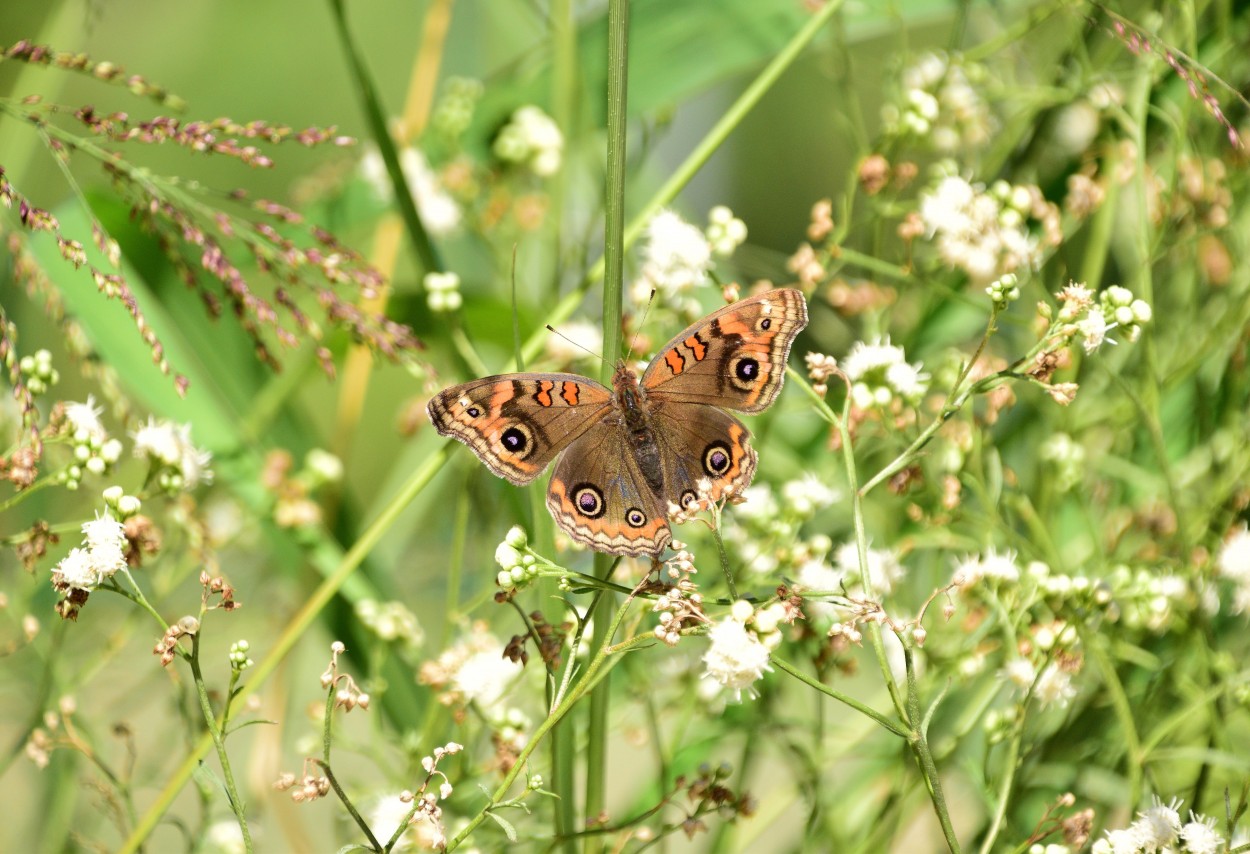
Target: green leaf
x,y
508,829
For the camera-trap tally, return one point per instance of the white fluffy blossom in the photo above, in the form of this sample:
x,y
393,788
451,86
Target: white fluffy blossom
x,y
879,372
1233,562
676,258
84,419
941,103
725,232
167,446
985,234
999,567
531,139
808,494
735,658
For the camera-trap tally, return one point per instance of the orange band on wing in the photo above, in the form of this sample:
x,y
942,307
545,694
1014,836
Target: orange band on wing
x,y
674,361
570,391
697,348
543,395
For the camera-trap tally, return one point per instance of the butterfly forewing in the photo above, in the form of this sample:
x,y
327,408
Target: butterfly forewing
x,y
734,358
518,423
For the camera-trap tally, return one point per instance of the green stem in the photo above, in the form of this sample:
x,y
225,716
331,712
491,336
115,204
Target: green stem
x,y
613,290
882,720
215,729
426,255
919,741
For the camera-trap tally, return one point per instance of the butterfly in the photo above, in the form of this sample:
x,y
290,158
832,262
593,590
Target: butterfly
x,y
629,456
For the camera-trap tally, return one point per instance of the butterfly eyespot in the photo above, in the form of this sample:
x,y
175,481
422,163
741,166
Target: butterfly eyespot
x,y
588,500
766,324
744,372
473,412
716,459
516,441
635,517
688,499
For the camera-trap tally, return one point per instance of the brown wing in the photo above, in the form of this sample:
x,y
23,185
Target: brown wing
x,y
734,358
600,498
518,423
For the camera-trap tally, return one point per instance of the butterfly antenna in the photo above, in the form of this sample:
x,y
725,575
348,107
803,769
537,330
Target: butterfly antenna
x,y
593,354
641,325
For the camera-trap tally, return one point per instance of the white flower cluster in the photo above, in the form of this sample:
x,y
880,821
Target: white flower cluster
x,y
989,233
1137,599
472,670
737,656
1117,308
101,556
93,450
762,521
391,621
1160,829
994,566
941,103
1053,688
1233,563
442,291
440,214
725,232
38,373
176,463
675,260
841,573
880,373
531,139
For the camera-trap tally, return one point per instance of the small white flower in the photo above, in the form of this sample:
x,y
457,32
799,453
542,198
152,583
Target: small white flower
x,y
531,139
225,837
443,291
105,541
1054,688
1094,328
77,570
484,677
1200,836
1159,826
807,495
884,570
735,657
677,255
169,446
879,371
1019,672
439,212
725,232
84,419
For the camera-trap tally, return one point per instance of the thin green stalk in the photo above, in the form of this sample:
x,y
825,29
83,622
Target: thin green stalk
x,y
564,100
1094,648
613,290
426,256
811,682
919,741
215,729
